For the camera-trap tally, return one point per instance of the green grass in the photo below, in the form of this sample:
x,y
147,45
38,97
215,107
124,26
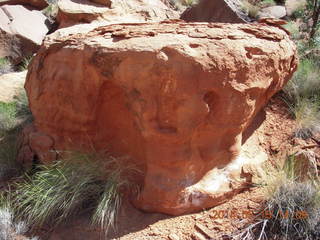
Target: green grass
x,y
58,191
13,116
302,94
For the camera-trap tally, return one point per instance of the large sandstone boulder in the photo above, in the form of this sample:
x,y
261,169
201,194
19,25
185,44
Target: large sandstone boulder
x,y
38,4
225,11
21,31
174,97
73,12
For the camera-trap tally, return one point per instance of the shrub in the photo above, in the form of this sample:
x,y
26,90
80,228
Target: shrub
x,y
305,82
58,191
291,211
302,94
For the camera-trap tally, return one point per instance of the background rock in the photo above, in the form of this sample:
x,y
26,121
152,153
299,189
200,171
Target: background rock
x,y
294,5
21,32
73,12
11,84
172,96
37,4
274,11
225,11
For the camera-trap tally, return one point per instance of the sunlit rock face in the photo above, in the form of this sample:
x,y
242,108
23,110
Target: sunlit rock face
x,y
173,97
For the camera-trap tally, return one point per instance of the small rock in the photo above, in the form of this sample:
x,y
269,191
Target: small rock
x,y
198,236
173,236
274,11
22,32
11,85
294,5
204,230
38,4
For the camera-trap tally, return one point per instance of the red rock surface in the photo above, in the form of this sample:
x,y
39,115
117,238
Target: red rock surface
x,y
38,4
225,11
175,97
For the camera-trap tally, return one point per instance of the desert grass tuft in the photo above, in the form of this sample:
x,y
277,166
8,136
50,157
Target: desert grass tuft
x,y
56,192
25,63
292,208
302,94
